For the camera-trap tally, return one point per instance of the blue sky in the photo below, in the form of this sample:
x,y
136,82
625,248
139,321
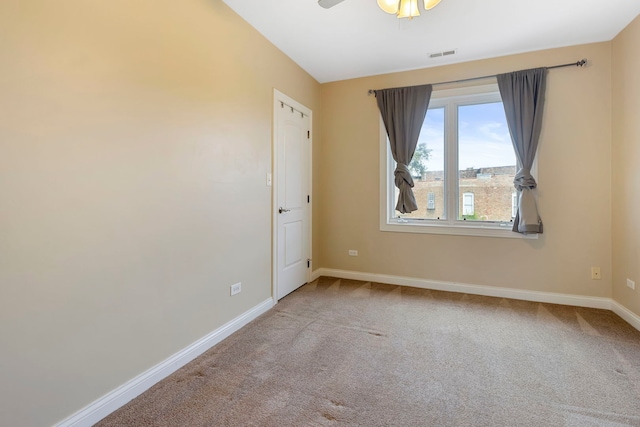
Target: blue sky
x,y
483,134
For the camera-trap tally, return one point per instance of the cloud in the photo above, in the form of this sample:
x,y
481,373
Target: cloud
x,y
494,131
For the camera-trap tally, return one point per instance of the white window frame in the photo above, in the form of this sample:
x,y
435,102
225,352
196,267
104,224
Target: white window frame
x,y
452,225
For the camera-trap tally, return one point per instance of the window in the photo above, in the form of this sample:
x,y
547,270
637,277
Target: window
x,y
467,206
431,201
463,168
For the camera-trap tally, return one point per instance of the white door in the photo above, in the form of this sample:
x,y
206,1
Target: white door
x,y
292,196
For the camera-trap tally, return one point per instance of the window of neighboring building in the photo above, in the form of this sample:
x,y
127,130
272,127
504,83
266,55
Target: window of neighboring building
x,y
468,211
463,168
431,201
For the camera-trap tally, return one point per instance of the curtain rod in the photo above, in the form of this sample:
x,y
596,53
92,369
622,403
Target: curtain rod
x,y
580,63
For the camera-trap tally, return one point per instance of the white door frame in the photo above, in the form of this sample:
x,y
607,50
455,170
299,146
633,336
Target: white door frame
x,y
278,98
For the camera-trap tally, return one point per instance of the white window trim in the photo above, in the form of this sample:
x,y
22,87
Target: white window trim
x,y
461,228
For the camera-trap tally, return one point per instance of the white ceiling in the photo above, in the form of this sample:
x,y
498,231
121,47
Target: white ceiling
x,y
355,38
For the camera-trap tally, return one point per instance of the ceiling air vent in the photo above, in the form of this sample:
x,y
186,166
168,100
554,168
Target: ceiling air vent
x,y
443,53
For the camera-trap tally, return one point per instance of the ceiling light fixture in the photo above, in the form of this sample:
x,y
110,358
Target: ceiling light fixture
x,y
405,8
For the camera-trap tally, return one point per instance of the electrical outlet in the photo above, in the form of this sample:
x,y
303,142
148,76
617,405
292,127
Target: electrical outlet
x,y
631,284
353,252
235,289
595,273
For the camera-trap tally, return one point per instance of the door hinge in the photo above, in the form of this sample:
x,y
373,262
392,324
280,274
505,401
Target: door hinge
x,y
308,134
308,199
308,262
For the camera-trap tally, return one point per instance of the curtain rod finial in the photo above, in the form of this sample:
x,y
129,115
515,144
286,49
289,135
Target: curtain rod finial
x,y
582,62
371,92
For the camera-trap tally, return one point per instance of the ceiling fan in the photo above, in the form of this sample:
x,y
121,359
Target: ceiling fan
x,y
329,3
401,8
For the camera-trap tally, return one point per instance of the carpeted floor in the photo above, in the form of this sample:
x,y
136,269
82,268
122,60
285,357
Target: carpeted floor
x,y
340,352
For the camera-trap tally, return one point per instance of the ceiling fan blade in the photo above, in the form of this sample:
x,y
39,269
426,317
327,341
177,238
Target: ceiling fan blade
x,y
329,3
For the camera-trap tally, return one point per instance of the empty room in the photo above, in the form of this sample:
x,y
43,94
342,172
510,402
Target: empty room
x,y
334,212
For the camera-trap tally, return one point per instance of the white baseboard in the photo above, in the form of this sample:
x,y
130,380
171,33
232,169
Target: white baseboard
x,y
108,403
316,273
491,291
629,316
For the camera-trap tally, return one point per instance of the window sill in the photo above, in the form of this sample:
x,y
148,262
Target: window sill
x,y
479,230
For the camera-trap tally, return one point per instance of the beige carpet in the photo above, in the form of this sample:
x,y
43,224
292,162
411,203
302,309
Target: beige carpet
x,y
340,352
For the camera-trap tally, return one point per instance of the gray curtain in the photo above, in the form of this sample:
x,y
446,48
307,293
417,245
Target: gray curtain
x,y
522,94
403,111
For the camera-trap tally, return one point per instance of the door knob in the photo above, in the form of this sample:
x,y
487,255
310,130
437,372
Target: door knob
x,y
281,210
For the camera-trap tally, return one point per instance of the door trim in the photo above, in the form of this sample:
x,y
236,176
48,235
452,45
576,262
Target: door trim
x,y
279,97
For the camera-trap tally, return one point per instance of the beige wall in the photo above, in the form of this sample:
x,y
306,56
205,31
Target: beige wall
x,y
626,158
574,184
135,138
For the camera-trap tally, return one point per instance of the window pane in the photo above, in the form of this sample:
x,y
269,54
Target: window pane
x,y
427,168
486,163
